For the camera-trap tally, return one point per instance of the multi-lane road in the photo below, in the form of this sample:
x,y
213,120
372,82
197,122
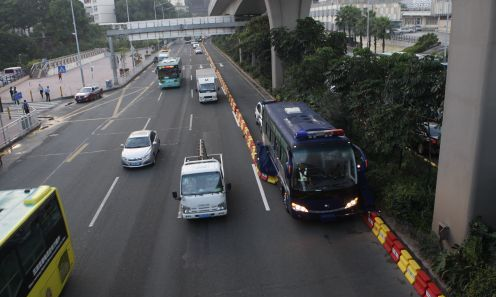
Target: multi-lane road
x,y
126,234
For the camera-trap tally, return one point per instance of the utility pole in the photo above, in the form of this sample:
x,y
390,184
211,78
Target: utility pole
x,y
129,27
77,44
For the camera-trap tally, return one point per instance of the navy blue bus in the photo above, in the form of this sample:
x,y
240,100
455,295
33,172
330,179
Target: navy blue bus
x,y
320,170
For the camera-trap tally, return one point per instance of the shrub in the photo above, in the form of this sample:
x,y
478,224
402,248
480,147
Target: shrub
x,y
424,43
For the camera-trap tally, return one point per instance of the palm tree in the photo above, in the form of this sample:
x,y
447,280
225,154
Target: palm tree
x,y
346,19
361,28
382,28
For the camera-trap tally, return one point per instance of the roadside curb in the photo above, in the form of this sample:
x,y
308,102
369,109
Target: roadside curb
x,y
240,122
253,81
422,281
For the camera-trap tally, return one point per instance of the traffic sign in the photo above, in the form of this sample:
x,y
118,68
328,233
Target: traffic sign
x,y
62,69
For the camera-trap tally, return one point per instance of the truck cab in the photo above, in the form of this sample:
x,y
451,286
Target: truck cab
x,y
202,187
206,85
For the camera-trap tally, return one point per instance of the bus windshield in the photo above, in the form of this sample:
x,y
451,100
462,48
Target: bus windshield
x,y
201,183
168,73
324,167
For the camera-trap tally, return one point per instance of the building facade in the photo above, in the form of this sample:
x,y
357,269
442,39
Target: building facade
x,y
430,15
100,11
325,10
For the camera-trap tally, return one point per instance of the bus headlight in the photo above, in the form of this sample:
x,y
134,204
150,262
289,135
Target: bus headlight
x,y
297,207
186,209
352,203
221,206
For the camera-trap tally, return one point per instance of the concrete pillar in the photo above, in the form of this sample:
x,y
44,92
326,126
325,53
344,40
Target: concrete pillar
x,y
113,64
284,13
466,182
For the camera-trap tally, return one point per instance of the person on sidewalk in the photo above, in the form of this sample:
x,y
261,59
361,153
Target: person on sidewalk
x,y
15,95
11,91
40,88
25,107
60,75
47,93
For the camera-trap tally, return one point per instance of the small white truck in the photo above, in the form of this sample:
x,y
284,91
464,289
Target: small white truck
x,y
206,85
202,186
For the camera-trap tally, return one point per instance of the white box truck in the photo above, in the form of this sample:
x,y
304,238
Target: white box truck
x,y
206,85
202,192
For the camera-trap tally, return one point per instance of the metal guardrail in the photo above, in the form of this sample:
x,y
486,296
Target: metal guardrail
x,y
41,69
18,128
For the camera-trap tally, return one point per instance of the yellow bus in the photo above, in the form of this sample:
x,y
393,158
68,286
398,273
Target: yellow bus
x,y
36,255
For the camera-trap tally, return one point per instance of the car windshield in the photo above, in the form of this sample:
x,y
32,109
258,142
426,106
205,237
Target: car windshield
x,y
201,183
136,142
209,87
85,90
324,167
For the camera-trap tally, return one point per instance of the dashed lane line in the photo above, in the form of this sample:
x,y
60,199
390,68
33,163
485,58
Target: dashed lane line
x,y
92,223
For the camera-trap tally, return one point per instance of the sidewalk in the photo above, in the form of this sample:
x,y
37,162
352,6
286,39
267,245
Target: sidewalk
x,y
96,72
14,124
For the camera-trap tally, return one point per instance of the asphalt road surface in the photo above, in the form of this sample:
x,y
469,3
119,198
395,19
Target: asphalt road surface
x,y
127,237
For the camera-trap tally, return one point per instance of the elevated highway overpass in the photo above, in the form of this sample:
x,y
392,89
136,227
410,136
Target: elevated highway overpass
x,y
281,13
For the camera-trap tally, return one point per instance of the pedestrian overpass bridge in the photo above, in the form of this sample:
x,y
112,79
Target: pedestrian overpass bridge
x,y
176,28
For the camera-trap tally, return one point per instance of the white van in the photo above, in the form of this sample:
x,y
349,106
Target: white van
x,y
13,71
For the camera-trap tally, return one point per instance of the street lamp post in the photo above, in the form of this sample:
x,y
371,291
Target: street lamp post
x,y
130,42
77,44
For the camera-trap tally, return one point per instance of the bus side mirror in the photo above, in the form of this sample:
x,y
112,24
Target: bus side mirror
x,y
174,195
228,186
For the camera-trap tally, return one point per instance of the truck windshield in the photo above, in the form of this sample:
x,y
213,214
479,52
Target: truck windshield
x,y
209,87
201,183
324,167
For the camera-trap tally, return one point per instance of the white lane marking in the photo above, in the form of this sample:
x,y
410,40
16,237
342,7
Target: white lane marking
x,y
191,76
147,122
220,64
191,93
159,97
235,119
63,162
184,67
103,203
107,124
260,188
201,66
190,122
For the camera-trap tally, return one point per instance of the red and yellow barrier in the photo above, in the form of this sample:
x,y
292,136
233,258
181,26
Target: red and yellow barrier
x,y
416,276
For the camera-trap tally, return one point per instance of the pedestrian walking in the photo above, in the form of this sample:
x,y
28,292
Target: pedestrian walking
x,y
40,88
47,93
60,75
15,95
11,91
25,107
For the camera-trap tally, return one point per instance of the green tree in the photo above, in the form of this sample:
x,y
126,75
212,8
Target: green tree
x,y
382,27
255,40
347,19
292,46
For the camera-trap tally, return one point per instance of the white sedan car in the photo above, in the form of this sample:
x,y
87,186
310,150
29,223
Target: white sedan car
x,y
141,148
198,50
